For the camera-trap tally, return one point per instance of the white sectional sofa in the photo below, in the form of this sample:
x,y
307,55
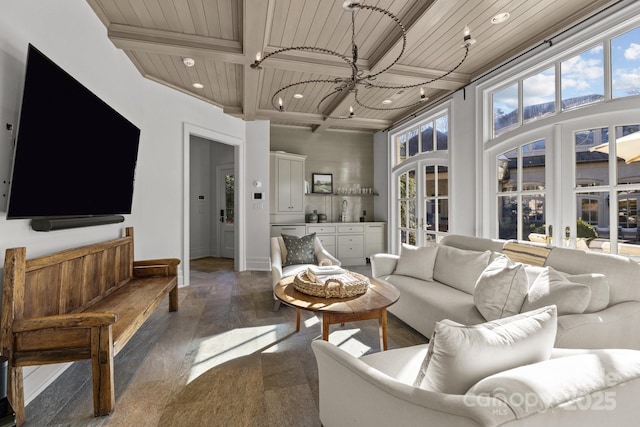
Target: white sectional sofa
x,y
611,319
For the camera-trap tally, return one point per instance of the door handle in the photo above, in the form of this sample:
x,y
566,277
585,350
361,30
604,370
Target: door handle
x,y
221,215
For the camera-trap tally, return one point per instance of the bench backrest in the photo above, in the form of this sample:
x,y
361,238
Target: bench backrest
x,y
67,281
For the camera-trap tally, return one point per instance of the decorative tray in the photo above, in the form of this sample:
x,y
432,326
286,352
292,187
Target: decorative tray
x,y
345,285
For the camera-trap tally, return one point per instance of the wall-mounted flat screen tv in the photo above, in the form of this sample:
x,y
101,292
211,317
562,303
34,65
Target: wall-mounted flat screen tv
x,y
75,156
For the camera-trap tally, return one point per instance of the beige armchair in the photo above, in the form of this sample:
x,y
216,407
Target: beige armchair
x,y
573,388
279,255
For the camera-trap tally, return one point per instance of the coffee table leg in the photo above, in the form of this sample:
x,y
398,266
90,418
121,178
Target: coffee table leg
x,y
325,326
297,320
383,329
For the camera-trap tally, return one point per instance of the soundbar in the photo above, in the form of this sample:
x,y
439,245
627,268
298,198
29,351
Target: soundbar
x,y
50,224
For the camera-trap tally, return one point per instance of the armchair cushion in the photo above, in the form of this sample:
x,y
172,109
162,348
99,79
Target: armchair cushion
x,y
501,289
459,355
416,262
300,250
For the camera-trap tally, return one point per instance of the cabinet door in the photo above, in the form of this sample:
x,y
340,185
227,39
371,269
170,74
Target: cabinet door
x,y
296,185
284,185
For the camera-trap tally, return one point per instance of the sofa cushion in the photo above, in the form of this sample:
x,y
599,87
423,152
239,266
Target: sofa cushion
x,y
459,268
300,250
552,288
599,289
423,303
416,261
462,355
501,289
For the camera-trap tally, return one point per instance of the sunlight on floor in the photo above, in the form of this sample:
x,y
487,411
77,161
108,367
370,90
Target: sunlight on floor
x,y
344,339
236,343
311,322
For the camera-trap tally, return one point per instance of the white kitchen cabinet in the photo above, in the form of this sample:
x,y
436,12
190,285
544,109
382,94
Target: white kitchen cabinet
x,y
350,242
374,238
287,187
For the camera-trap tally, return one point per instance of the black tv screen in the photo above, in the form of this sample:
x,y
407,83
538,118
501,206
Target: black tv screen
x,y
75,156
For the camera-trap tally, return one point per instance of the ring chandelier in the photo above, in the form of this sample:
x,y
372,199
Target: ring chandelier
x,y
359,79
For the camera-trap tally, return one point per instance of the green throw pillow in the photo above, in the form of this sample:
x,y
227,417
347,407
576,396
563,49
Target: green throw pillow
x,y
300,250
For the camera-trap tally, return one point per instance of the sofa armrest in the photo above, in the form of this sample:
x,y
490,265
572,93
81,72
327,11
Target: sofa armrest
x,y
617,326
383,264
586,381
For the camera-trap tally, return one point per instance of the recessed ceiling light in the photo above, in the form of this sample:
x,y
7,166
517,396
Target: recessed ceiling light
x,y
298,96
189,62
198,85
500,18
387,101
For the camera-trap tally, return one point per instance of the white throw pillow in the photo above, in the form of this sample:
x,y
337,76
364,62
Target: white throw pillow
x,y
599,289
416,261
501,289
552,288
459,356
459,268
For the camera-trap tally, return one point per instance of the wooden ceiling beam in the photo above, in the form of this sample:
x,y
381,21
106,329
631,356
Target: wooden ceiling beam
x,y
163,42
257,14
389,48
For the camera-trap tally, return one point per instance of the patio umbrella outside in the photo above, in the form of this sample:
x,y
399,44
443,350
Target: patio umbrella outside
x,y
627,147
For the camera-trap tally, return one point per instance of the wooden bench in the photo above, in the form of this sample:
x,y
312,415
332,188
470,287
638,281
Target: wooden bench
x,y
82,303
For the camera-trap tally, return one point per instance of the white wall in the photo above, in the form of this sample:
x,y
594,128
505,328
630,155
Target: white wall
x,y
70,34
257,213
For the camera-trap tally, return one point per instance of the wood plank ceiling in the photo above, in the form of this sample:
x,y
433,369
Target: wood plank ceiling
x,y
223,37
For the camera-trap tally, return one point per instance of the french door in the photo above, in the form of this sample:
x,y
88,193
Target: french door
x,y
421,192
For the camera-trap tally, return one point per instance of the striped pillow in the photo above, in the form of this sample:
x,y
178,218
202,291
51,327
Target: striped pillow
x,y
526,254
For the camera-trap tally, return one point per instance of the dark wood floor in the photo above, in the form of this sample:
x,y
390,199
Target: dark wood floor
x,y
224,359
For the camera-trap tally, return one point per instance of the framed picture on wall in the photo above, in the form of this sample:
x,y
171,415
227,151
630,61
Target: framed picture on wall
x,y
322,183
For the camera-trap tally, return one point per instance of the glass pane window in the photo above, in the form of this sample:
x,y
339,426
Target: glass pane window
x,y
582,78
413,142
625,64
426,133
628,147
592,165
533,210
505,110
401,148
507,217
443,215
628,213
430,181
539,95
533,166
442,133
508,171
443,181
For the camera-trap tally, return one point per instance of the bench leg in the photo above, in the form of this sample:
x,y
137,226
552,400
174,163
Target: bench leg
x,y
15,394
173,299
102,369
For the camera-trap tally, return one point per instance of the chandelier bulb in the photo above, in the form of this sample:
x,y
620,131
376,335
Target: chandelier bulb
x,y
258,57
280,106
467,40
351,113
421,92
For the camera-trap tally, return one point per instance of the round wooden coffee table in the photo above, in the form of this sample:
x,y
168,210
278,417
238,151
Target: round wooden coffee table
x,y
370,305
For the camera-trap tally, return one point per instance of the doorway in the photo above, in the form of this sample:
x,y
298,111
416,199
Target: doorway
x,y
238,160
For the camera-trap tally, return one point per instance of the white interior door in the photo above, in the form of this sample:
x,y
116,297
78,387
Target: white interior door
x,y
226,210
